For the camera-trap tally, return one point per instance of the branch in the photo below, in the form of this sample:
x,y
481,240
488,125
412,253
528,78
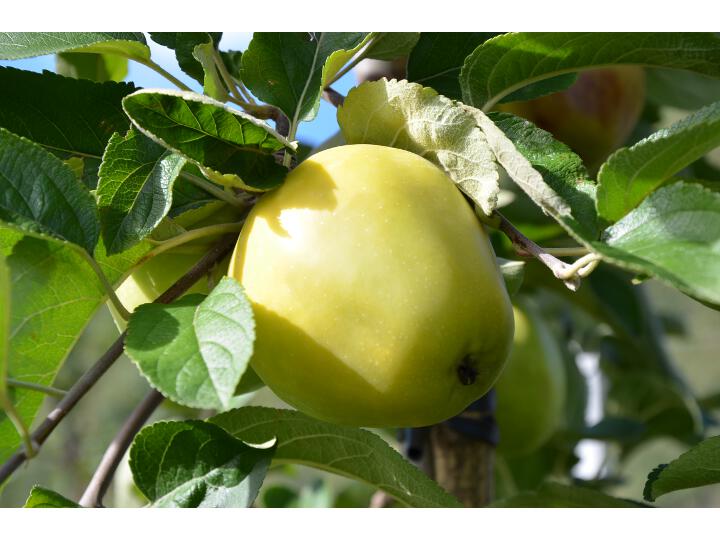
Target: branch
x,y
90,377
333,97
100,482
526,247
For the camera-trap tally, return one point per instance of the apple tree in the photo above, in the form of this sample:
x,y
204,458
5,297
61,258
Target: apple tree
x,y
419,289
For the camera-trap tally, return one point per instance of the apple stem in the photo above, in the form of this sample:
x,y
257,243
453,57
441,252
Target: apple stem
x,y
189,236
214,190
525,247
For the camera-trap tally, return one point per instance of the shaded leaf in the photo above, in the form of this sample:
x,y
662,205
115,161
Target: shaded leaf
x,y
233,62
392,45
699,466
37,190
560,167
78,120
41,497
93,66
615,428
14,45
187,196
541,88
506,63
436,59
553,495
512,274
352,452
195,464
288,69
681,89
184,43
521,170
232,147
407,116
196,349
632,173
134,192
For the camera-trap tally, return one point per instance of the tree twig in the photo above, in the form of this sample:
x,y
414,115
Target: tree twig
x,y
91,377
526,247
100,482
49,390
333,97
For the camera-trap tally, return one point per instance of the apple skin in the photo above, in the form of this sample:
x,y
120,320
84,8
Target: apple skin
x,y
594,116
531,390
376,293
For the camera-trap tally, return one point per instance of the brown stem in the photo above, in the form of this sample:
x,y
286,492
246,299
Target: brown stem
x,y
100,482
282,124
91,377
527,248
333,97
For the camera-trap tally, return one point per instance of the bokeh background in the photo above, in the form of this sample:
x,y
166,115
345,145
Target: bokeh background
x,y
69,457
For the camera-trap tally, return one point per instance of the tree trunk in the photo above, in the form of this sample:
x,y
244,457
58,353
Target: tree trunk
x,y
459,453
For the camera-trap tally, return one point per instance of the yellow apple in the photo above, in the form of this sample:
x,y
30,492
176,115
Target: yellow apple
x,y
531,389
376,293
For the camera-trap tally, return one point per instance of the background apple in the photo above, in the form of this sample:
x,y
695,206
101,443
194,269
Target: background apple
x,y
531,390
594,116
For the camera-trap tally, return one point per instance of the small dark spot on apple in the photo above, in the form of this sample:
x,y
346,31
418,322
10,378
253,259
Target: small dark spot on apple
x,y
466,371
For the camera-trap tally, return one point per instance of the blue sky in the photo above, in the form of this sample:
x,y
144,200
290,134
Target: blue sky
x,y
312,133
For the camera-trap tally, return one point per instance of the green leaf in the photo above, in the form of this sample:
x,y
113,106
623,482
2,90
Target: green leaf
x,y
699,466
195,464
392,45
289,69
632,173
233,148
680,89
213,83
561,169
615,428
78,120
407,116
93,66
6,403
521,170
280,497
196,349
14,45
4,326
187,196
542,88
233,62
437,57
39,190
54,294
553,495
673,235
135,189
506,63
512,274
347,451
41,497
184,43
